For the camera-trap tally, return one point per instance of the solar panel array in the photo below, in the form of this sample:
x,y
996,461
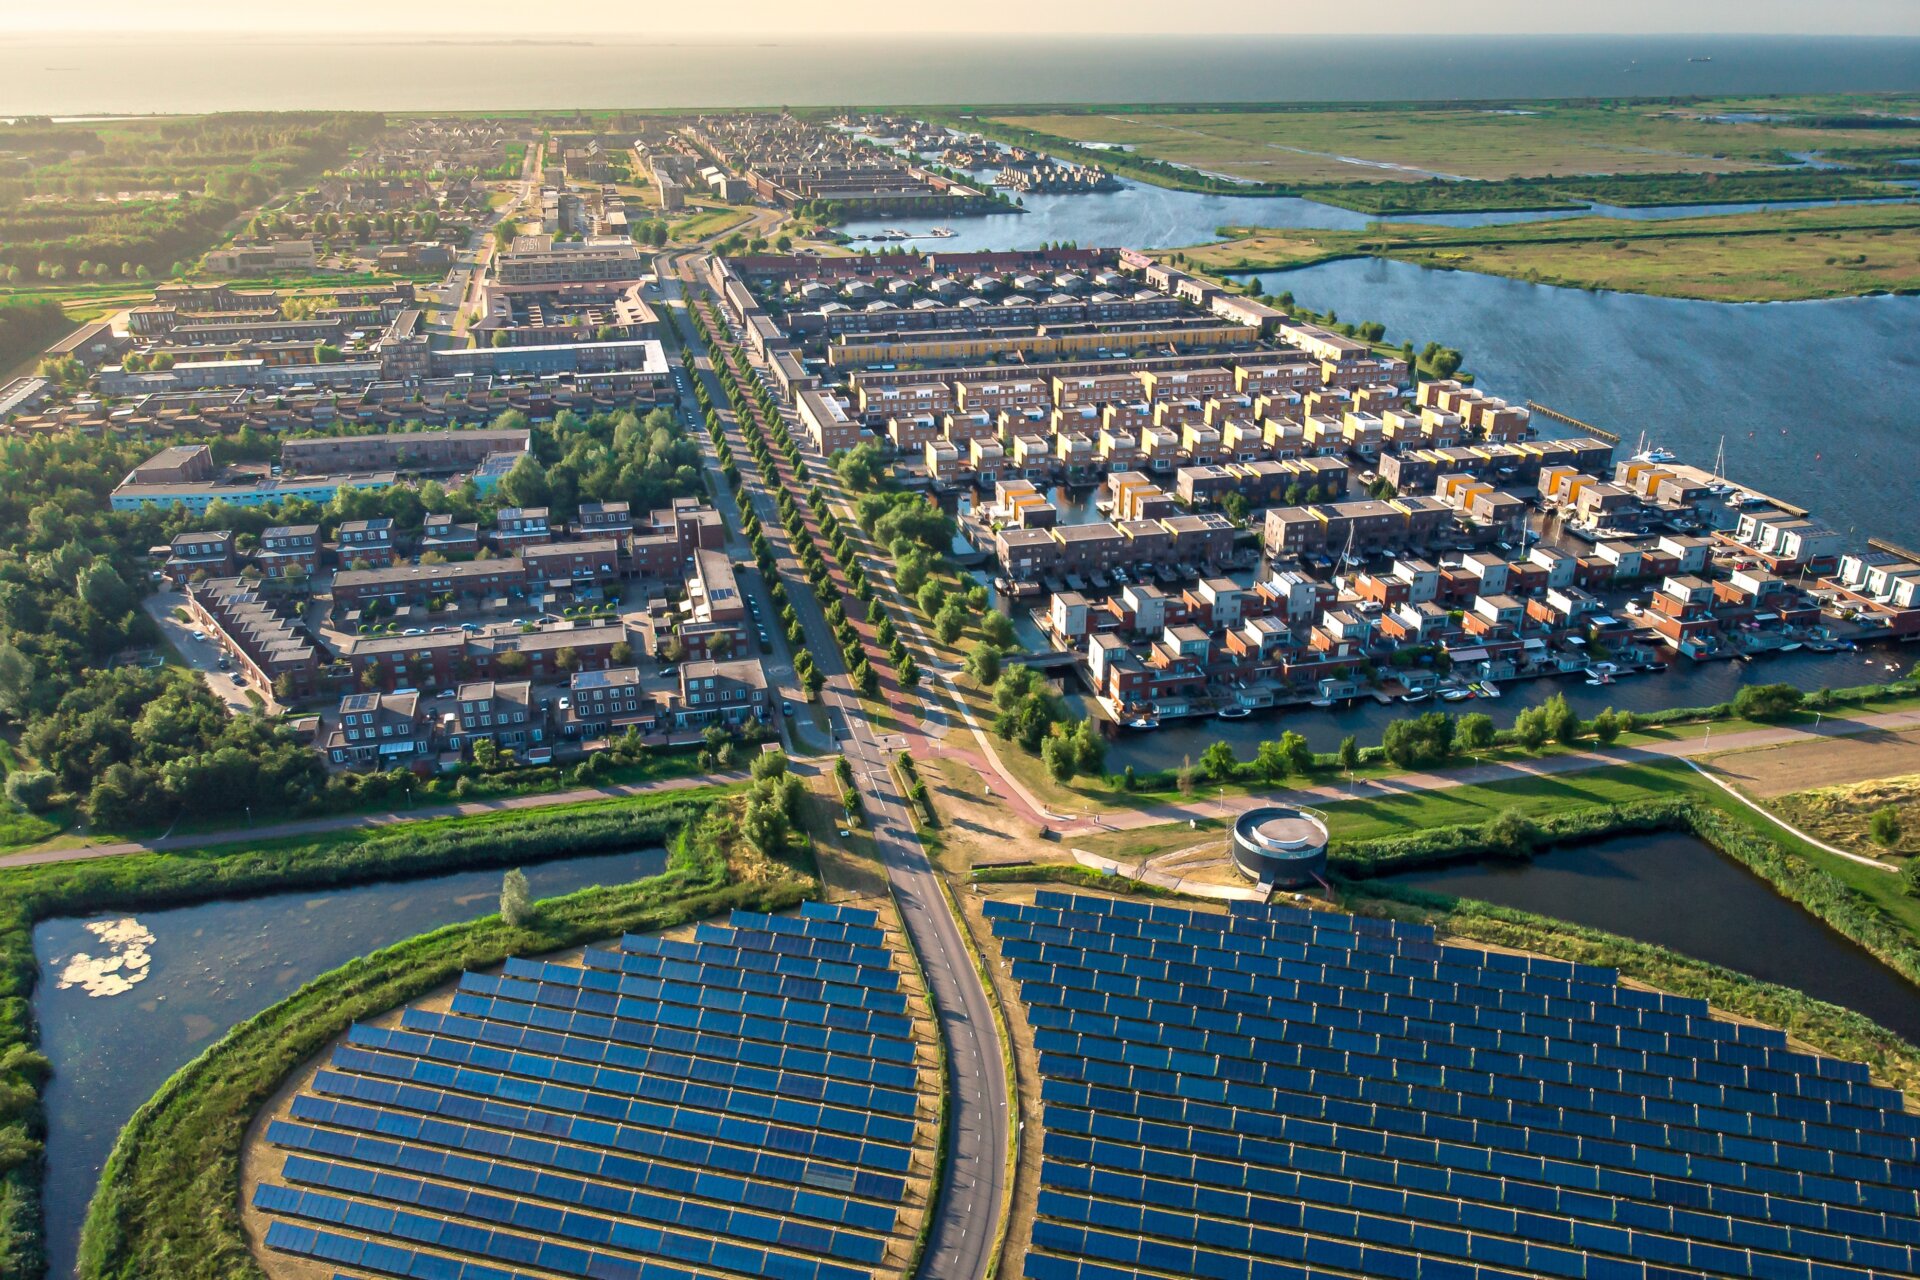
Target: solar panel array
x,y
1278,1094
740,1104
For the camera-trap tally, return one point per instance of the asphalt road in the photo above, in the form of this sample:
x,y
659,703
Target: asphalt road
x,y
967,1216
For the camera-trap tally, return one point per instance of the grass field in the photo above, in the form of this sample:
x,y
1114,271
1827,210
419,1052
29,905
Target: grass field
x,y
1840,815
1750,257
1413,142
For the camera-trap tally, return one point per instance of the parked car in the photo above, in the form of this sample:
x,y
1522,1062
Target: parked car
x,y
200,635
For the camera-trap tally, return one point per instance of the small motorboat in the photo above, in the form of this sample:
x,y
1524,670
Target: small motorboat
x,y
1233,713
1456,695
1321,702
1790,646
1144,722
1421,696
1488,689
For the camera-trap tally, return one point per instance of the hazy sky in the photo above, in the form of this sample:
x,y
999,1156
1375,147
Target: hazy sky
x,y
577,19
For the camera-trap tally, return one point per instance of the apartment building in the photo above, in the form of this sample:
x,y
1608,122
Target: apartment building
x,y
379,730
289,550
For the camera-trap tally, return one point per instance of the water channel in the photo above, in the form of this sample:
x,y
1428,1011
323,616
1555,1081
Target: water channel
x,y
1687,684
1138,215
1676,891
125,1000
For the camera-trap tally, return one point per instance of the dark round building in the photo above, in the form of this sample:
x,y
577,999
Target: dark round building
x,y
1280,847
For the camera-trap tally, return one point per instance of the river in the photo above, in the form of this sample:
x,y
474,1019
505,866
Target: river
x,y
208,967
1676,891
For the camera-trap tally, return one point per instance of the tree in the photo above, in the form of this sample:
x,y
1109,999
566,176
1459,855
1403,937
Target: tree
x,y
1531,728
1767,701
1236,507
525,484
911,571
1349,753
1184,778
907,670
1563,722
1606,727
859,467
997,629
1475,733
32,789
1297,750
983,663
1218,762
949,622
516,900
1269,761
931,596
1058,754
1884,826
1421,742
769,764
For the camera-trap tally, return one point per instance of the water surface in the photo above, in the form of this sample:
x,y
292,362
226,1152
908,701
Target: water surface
x,y
206,968
1676,891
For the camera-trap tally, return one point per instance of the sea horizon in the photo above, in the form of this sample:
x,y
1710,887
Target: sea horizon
x,y
142,72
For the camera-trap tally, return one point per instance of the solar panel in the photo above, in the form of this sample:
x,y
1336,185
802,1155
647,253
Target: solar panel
x,y
1404,1108
746,1101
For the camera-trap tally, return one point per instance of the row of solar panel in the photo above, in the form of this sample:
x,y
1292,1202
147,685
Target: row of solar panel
x,y
467,1124
479,1168
1543,1214
627,1077
1523,1143
1596,1102
511,1025
1321,987
392,1260
641,945
551,1255
1461,1171
887,1057
739,1131
811,910
1350,1007
1209,986
648,990
1258,1038
580,1203
544,1081
1238,915
1325,928
831,930
1269,1014
1541,1080
626,971
1528,1262
793,945
765,981
772,1030
1485,968
1352,1102
1043,1266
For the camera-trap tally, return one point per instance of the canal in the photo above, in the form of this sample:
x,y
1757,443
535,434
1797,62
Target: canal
x,y
123,1001
1676,891
1687,684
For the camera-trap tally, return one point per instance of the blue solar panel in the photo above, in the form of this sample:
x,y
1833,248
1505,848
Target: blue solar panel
x,y
1406,1109
746,1101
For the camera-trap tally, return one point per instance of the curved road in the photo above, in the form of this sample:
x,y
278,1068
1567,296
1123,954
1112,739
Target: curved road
x,y
967,1214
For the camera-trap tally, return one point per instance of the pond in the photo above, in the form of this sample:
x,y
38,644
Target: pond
x,y
1687,684
125,1000
1676,891
1813,399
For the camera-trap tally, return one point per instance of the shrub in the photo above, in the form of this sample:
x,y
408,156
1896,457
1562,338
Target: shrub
x,y
1767,701
32,789
1885,824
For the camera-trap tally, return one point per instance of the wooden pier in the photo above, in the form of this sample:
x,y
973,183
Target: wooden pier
x,y
1609,436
